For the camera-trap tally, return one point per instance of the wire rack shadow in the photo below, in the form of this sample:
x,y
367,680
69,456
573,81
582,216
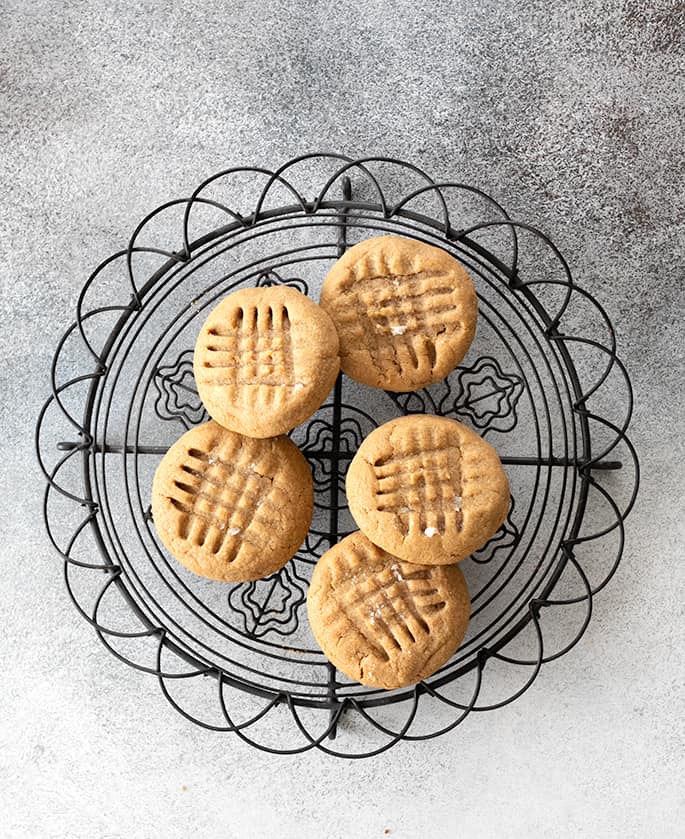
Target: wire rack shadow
x,y
542,381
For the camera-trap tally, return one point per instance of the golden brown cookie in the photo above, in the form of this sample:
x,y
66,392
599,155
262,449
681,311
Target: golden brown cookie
x,y
382,621
265,360
230,507
405,312
427,489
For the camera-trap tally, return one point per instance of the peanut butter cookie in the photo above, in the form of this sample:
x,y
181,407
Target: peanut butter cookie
x,y
427,489
230,507
382,621
265,360
405,312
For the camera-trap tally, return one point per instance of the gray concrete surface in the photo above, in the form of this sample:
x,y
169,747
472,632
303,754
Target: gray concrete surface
x,y
573,115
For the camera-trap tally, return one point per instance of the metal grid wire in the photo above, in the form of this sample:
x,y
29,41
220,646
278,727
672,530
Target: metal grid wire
x,y
122,391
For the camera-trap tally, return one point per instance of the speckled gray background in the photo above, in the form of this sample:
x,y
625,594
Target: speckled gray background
x,y
573,117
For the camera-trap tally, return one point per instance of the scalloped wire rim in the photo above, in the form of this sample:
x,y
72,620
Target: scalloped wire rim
x,y
378,216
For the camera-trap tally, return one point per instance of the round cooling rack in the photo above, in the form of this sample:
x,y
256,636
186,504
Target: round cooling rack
x,y
541,382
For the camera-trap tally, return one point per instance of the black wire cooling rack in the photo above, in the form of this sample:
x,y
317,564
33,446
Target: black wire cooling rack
x,y
542,382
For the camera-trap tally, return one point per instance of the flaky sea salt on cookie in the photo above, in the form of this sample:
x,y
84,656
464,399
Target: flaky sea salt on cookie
x,y
231,507
427,489
405,312
382,621
265,360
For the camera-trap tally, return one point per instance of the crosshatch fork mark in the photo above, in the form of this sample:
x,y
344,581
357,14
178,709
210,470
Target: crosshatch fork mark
x,y
220,503
227,466
257,350
435,491
382,305
360,627
405,597
232,492
189,509
390,603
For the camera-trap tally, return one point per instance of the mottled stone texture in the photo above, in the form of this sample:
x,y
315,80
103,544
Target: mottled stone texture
x,y
572,114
